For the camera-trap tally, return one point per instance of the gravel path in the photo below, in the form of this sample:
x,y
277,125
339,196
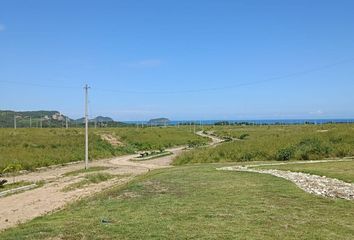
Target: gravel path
x,y
314,184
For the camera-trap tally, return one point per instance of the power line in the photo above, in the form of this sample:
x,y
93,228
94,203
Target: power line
x,y
295,74
40,85
213,89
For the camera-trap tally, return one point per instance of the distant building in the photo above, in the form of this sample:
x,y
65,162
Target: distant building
x,y
58,116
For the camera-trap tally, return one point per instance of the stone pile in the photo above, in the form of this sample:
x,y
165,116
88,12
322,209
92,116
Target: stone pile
x,y
314,184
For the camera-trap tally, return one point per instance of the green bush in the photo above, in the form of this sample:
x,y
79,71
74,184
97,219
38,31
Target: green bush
x,y
243,136
285,154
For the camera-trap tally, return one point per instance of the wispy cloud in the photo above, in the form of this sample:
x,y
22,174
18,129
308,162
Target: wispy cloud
x,y
318,112
2,27
146,63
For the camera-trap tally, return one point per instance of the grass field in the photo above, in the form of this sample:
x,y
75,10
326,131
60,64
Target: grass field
x,y
197,202
295,142
340,170
34,148
43,147
154,138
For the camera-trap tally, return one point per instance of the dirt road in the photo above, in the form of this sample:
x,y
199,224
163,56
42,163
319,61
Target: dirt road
x,y
21,207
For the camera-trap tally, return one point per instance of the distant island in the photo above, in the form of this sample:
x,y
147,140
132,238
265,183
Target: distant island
x,y
99,119
159,121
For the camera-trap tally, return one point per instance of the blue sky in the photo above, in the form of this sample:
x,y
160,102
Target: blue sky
x,y
194,59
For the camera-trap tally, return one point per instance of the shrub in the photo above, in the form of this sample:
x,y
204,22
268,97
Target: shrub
x,y
243,136
285,154
312,147
194,143
247,156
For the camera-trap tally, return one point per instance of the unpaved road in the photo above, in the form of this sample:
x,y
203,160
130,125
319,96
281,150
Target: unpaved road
x,y
21,207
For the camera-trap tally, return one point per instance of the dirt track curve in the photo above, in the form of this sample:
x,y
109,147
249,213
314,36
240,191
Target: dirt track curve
x,y
21,207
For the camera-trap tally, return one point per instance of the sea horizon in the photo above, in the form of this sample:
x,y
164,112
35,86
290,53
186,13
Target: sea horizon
x,y
256,121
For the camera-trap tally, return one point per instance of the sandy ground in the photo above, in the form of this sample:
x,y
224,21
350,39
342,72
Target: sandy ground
x,y
21,207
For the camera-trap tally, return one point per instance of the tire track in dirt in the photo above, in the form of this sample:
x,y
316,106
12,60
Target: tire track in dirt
x,y
24,206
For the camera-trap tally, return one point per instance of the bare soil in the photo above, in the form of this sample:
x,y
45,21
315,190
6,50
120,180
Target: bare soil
x,y
111,139
24,206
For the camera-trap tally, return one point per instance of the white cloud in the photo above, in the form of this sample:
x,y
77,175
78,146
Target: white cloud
x,y
2,27
318,112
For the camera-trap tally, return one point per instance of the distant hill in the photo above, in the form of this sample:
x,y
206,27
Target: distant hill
x,y
98,119
159,121
100,122
50,119
31,118
102,119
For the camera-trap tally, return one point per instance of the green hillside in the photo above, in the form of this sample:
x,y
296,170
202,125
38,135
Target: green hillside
x,y
49,119
31,118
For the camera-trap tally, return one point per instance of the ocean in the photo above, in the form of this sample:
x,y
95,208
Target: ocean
x,y
255,122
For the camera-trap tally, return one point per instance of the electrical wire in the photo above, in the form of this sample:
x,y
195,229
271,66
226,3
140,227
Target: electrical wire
x,y
212,89
295,74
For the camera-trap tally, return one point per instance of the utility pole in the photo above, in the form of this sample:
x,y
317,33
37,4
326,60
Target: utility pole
x,y
66,123
30,122
15,126
86,126
41,122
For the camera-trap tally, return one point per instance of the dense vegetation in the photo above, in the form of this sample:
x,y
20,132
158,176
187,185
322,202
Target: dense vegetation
x,y
32,148
300,142
197,202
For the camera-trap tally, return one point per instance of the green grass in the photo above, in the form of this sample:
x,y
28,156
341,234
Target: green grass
x,y
9,186
197,202
340,170
154,138
91,169
93,178
33,148
299,142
